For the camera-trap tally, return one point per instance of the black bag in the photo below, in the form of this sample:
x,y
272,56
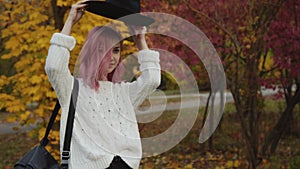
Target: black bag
x,y
39,157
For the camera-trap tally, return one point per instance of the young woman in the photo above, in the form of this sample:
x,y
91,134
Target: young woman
x,y
105,132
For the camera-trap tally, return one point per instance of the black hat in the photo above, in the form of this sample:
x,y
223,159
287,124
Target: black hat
x,y
127,11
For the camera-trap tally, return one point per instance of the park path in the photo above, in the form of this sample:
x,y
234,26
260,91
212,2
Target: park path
x,y
191,102
9,127
6,128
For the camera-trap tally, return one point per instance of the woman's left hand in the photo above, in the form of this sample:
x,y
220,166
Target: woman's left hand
x,y
138,35
138,32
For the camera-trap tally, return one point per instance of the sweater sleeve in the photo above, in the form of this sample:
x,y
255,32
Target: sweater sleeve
x,y
149,79
57,65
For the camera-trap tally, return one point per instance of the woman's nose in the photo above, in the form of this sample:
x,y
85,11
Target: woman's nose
x,y
113,59
116,58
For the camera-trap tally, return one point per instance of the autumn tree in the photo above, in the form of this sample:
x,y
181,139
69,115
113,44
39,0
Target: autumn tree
x,y
251,38
26,28
284,41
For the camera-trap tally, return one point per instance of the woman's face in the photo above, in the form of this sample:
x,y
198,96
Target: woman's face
x,y
115,53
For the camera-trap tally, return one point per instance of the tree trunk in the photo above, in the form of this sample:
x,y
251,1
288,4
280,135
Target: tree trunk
x,y
58,13
204,119
272,140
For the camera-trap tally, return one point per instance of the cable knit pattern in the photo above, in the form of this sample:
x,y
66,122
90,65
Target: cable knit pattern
x,y
105,122
66,41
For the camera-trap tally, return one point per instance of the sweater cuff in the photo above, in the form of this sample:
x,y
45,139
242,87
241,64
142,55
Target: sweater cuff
x,y
63,40
148,55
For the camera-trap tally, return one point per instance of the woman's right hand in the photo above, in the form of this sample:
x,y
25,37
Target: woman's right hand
x,y
76,12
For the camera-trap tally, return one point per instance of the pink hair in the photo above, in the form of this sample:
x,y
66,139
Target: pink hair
x,y
96,56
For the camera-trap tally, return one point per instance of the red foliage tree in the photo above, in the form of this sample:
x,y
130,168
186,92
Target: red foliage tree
x,y
247,35
284,41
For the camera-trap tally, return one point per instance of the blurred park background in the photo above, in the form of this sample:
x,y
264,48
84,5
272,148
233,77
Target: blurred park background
x,y
258,42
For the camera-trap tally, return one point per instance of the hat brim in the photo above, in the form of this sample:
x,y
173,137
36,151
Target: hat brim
x,y
114,12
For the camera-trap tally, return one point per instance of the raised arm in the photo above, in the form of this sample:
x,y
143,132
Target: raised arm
x,y
59,54
75,15
139,36
150,77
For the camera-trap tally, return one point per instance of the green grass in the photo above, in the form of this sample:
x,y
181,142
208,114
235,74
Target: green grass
x,y
12,147
228,147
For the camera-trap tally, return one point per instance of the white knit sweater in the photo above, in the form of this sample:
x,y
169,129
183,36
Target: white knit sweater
x,y
105,122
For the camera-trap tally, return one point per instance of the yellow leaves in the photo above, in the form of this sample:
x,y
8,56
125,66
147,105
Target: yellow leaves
x,y
25,116
4,18
248,46
25,35
22,24
55,153
42,43
131,48
37,16
233,164
79,39
174,165
220,167
242,28
180,156
189,166
148,166
64,3
11,54
11,119
7,5
246,39
173,161
267,62
3,80
35,79
51,94
32,90
24,62
12,43
128,43
43,111
11,103
6,97
15,106
230,164
54,137
23,79
192,160
41,133
277,74
212,157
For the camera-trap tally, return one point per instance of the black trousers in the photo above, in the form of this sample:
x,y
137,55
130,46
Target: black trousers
x,y
118,163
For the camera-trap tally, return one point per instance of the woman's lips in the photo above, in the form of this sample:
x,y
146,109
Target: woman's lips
x,y
112,64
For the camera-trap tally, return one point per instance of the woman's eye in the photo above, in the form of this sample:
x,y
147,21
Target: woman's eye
x,y
116,50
